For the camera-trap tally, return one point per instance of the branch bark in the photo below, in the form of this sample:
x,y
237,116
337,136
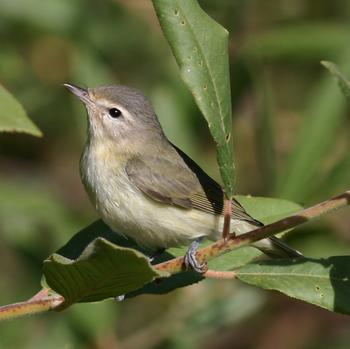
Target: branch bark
x,y
42,301
222,246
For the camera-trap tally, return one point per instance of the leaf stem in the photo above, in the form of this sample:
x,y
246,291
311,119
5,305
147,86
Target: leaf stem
x,y
227,218
222,246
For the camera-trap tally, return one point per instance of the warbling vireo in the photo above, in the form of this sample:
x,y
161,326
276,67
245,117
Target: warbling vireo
x,y
145,187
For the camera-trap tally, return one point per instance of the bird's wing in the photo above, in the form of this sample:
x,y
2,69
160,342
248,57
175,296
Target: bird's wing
x,y
180,182
211,196
161,180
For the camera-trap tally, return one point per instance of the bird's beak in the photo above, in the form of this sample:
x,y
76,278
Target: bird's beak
x,y
81,93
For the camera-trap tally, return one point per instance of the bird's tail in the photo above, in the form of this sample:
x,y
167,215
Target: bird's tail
x,y
276,248
272,247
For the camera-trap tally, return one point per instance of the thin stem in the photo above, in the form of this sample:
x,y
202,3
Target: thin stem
x,y
42,301
223,275
227,218
220,247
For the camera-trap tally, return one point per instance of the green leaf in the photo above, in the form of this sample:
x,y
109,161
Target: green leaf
x,y
103,270
268,210
200,46
344,83
13,118
75,247
323,282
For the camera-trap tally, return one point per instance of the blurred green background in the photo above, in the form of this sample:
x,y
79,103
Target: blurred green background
x,y
291,135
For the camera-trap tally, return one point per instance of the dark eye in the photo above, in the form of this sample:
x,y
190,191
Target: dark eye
x,y
114,112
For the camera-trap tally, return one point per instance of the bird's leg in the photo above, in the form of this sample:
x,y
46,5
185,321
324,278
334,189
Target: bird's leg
x,y
190,259
227,219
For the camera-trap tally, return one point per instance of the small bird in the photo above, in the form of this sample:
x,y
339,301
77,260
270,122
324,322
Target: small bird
x,y
146,188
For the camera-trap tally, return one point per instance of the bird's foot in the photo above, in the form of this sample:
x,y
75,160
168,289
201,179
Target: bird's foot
x,y
190,259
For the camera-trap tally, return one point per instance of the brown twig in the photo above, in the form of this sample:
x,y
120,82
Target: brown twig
x,y
220,247
40,295
39,303
43,301
227,218
223,275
